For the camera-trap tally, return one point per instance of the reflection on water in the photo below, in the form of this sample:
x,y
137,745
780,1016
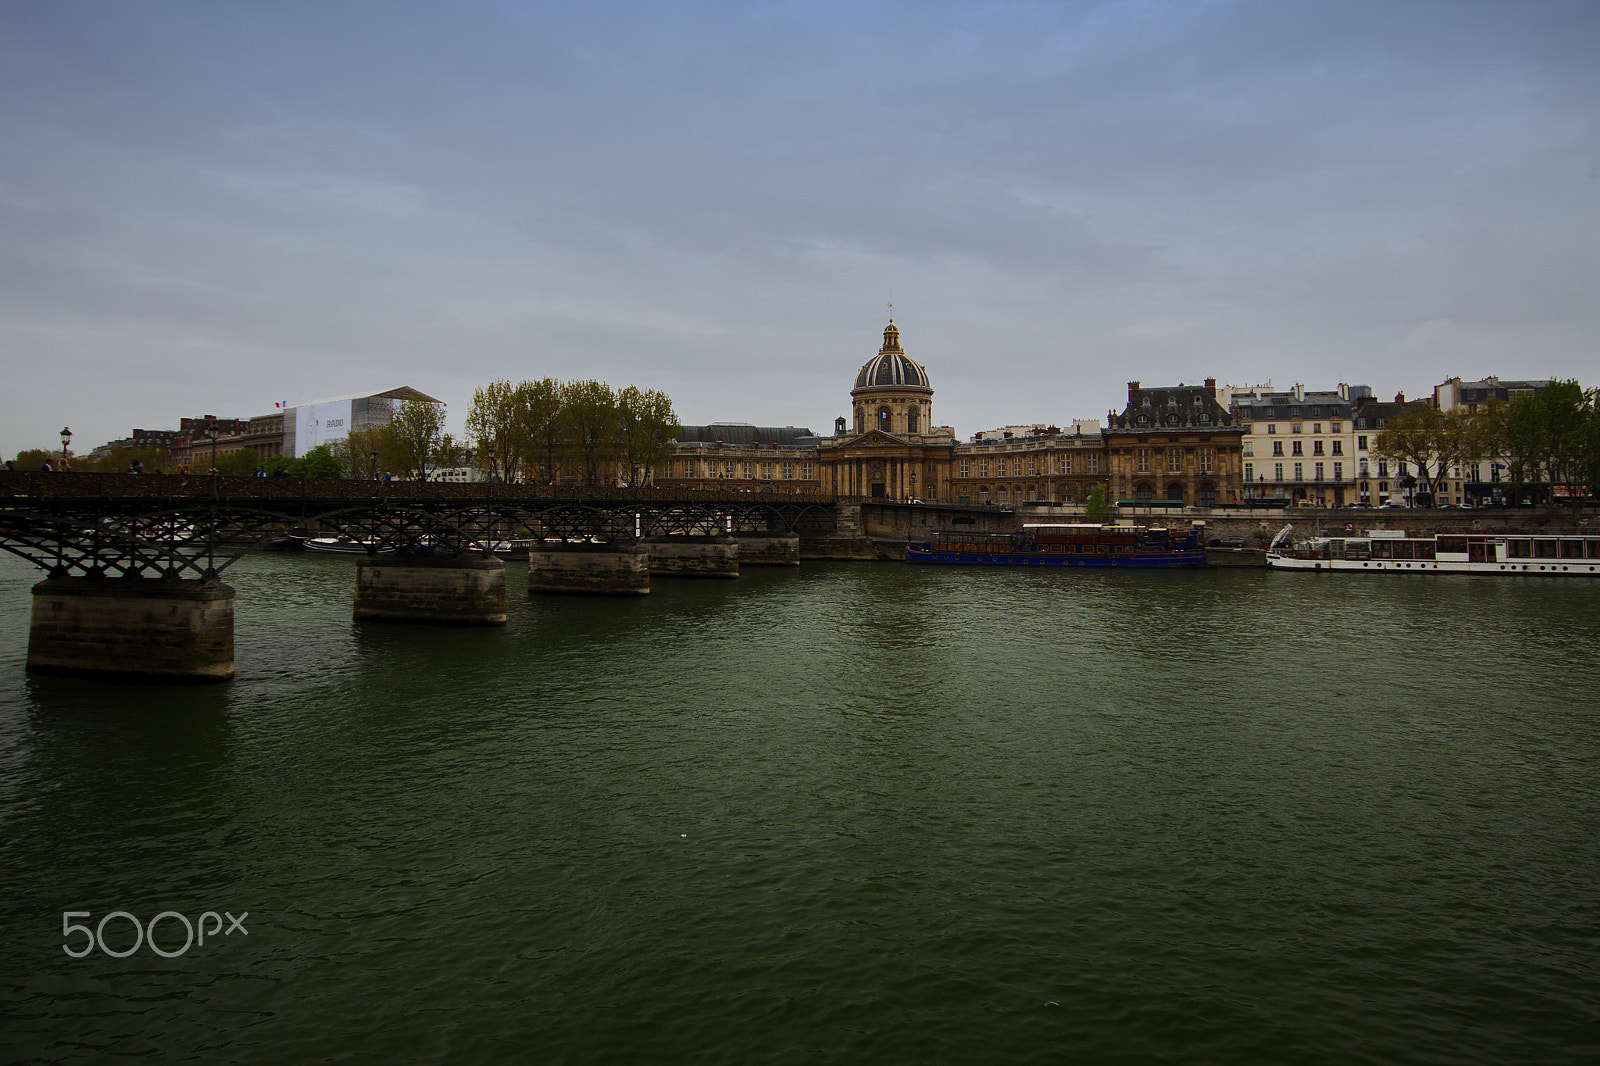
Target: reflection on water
x,y
865,812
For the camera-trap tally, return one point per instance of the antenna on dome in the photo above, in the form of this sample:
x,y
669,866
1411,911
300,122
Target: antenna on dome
x,y
891,307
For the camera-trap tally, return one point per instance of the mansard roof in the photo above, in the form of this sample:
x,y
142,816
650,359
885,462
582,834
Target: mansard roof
x,y
744,435
1186,407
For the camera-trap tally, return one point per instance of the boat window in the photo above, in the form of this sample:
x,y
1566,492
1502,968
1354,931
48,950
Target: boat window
x,y
1382,549
1519,549
1453,544
1572,549
1544,548
1593,544
1425,549
1403,550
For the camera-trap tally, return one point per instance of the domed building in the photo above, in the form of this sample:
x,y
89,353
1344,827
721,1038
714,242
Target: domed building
x,y
891,449
892,391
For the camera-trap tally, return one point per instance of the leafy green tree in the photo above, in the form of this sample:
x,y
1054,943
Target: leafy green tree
x,y
1545,437
500,427
545,423
1419,436
417,428
1095,509
356,451
318,462
241,463
35,458
589,410
646,427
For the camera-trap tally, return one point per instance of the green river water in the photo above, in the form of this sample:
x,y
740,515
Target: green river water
x,y
859,813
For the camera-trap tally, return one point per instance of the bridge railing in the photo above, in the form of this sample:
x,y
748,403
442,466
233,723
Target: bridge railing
x,y
38,484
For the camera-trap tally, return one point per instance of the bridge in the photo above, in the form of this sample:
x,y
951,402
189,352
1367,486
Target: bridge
x,y
134,561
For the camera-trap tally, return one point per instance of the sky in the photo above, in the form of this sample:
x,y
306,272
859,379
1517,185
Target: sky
x,y
208,207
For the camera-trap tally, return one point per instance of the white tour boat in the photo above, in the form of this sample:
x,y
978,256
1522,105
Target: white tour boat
x,y
1454,553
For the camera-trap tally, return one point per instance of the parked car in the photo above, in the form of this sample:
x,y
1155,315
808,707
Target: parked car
x,y
1226,542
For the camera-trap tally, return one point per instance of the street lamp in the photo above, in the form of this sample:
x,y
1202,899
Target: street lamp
x,y
374,458
211,431
490,450
66,439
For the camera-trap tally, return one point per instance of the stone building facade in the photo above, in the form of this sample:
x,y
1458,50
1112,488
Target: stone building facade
x,y
892,450
1175,443
740,456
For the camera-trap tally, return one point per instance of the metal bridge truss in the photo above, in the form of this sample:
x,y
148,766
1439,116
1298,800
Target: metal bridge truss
x,y
199,535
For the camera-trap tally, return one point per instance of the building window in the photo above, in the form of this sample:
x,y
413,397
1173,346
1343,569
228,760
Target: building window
x,y
1144,460
1338,447
861,420
1277,447
1296,448
1249,471
1361,444
1336,427
1091,463
1299,474
885,419
1363,468
911,419
1316,447
1316,427
748,470
1249,448
1271,428
766,471
1174,460
1316,472
1207,459
1294,428
1383,468
966,468
1277,471
1000,494
806,471
983,468
1338,471
788,471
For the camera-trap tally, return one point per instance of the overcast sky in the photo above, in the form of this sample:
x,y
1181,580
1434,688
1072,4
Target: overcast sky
x,y
207,207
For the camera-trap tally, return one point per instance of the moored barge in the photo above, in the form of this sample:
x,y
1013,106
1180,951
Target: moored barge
x,y
1386,550
1066,545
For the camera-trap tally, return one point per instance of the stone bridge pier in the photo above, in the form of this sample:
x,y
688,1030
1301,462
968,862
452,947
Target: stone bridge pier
x,y
159,629
467,589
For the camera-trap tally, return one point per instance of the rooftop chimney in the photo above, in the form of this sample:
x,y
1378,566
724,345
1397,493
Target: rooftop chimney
x,y
1133,387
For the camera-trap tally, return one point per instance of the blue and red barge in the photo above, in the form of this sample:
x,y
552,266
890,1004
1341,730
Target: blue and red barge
x,y
1067,545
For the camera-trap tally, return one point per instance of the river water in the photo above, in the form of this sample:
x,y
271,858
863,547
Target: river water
x,y
850,812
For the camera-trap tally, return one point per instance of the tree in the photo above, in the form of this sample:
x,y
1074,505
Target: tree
x,y
1095,509
589,410
318,462
356,451
646,426
417,427
241,463
34,458
1417,435
545,420
498,425
1545,436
